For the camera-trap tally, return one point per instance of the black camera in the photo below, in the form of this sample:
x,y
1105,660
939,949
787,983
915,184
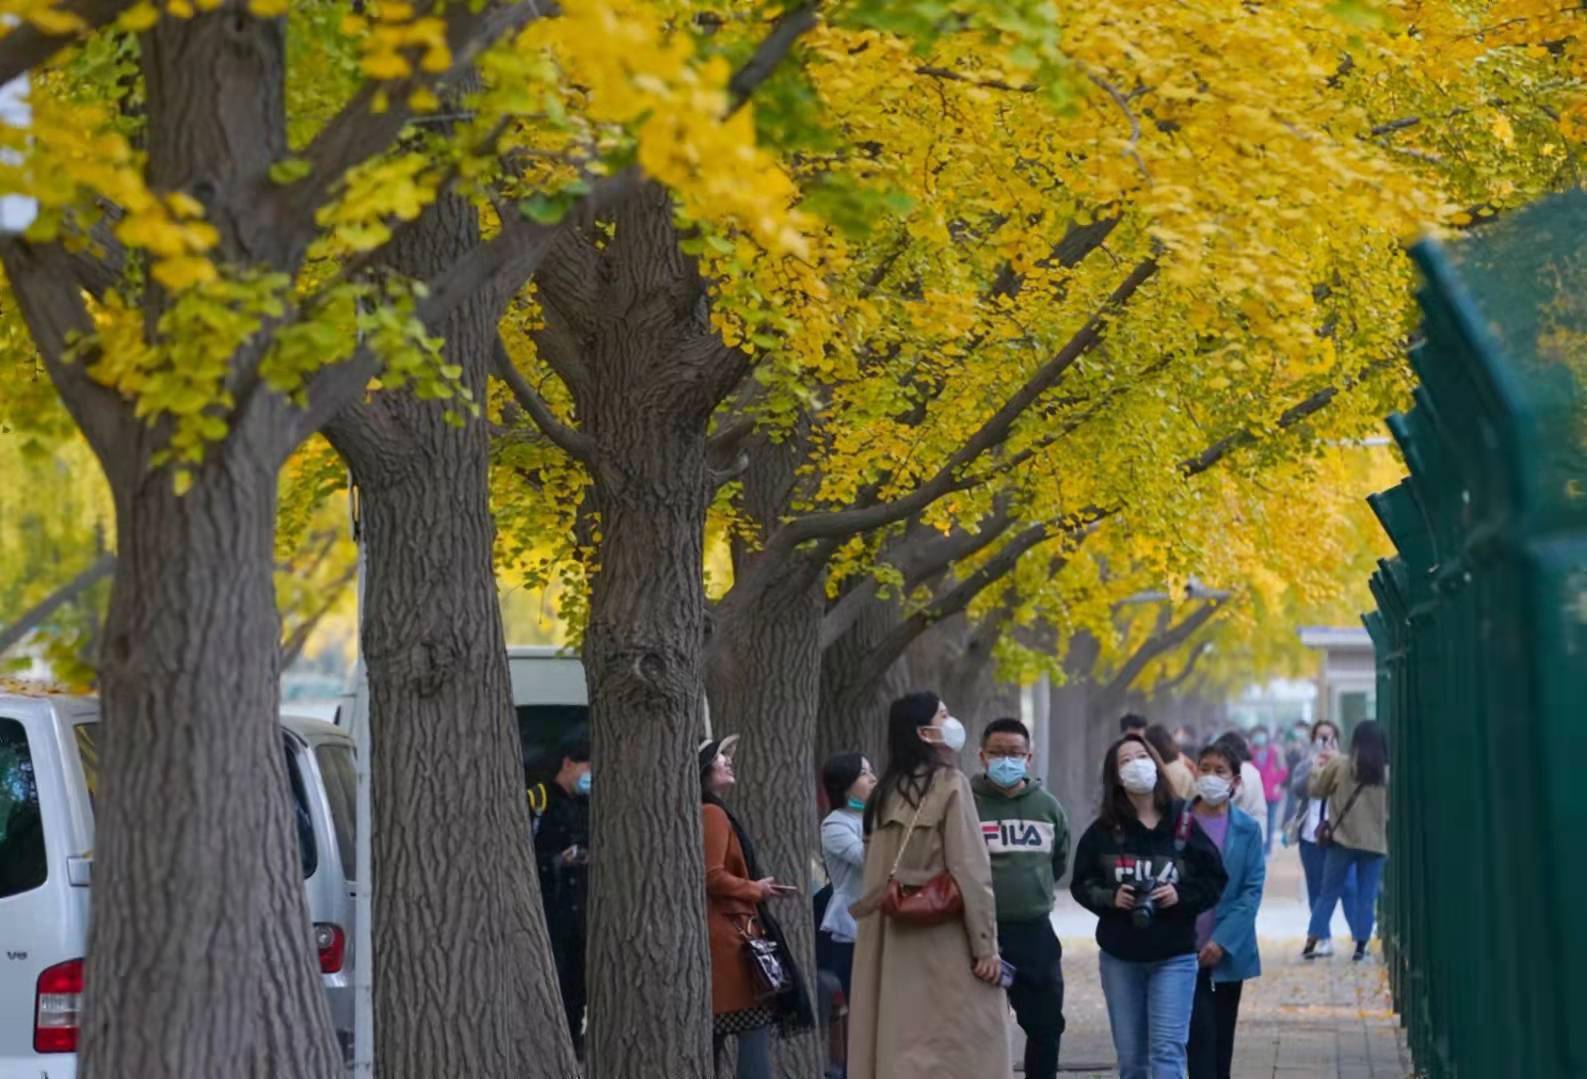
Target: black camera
x,y
1145,906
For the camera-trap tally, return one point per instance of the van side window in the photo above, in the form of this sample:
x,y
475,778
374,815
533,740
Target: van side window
x,y
88,754
23,865
87,735
341,790
307,851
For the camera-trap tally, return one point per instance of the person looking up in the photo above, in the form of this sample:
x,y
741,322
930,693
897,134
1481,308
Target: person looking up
x,y
927,1000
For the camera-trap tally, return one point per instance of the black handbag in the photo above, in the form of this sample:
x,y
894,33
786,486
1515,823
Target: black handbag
x,y
765,962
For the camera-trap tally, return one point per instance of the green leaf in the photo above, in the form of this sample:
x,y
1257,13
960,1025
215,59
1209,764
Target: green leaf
x,y
289,170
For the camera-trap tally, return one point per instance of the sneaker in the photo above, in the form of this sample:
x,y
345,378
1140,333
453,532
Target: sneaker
x,y
1310,951
1361,952
1325,949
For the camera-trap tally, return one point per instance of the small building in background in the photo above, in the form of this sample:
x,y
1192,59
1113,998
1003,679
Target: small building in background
x,y
1347,680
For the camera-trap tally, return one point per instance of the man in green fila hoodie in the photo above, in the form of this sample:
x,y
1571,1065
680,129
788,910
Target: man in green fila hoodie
x,y
1027,836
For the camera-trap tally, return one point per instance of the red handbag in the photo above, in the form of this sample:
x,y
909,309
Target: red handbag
x,y
932,903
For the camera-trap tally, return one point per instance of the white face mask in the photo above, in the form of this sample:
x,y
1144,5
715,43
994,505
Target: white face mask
x,y
1214,790
953,734
1139,776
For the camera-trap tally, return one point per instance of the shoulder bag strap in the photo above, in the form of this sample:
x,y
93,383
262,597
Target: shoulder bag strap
x,y
1348,803
911,833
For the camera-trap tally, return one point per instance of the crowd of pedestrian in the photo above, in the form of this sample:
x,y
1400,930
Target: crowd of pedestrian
x,y
935,922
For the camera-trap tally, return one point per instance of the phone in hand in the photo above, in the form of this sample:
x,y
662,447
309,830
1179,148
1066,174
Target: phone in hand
x,y
1005,977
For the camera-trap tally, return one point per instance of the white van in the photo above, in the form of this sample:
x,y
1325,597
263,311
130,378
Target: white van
x,y
48,775
548,693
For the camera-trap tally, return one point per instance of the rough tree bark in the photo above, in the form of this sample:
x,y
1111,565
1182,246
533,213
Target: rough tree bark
x,y
763,669
196,881
199,915
627,328
464,979
854,714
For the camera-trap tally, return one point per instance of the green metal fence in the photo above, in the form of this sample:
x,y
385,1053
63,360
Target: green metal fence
x,y
1481,638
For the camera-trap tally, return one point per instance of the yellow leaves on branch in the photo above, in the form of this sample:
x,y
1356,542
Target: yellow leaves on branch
x,y
391,33
71,156
643,73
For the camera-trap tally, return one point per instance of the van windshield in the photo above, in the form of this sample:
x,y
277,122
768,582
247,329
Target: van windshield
x,y
87,735
341,790
23,866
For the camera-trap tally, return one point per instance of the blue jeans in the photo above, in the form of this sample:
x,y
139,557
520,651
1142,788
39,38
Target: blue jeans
x,y
1311,860
1149,1009
1274,825
1361,908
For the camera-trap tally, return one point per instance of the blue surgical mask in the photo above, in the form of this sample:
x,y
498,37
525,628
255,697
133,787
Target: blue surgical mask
x,y
582,785
1006,771
856,805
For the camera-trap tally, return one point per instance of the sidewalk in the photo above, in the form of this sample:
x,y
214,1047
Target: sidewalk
x,y
1328,1019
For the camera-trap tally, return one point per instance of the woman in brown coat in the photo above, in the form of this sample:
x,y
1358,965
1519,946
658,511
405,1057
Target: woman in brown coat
x,y
736,894
926,1001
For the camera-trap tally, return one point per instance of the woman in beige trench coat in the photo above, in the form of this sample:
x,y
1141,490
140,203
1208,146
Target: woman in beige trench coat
x,y
926,1002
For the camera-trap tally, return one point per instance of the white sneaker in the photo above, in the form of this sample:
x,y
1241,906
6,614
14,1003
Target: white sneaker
x,y
1325,948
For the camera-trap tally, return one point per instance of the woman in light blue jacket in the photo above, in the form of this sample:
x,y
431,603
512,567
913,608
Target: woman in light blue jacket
x,y
849,780
1225,935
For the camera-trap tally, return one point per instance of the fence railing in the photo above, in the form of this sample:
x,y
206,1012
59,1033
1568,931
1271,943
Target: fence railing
x,y
1481,638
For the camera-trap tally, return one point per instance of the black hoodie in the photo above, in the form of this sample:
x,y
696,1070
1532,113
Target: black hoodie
x,y
1104,860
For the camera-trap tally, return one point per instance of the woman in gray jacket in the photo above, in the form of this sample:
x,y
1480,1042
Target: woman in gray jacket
x,y
849,780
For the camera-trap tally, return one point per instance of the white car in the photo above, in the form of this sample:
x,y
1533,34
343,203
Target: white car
x,y
48,774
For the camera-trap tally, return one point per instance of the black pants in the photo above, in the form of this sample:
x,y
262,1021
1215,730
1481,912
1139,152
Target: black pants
x,y
567,950
1037,994
1212,1022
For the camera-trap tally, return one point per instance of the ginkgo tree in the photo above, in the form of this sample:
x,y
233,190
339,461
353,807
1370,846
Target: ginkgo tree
x,y
1243,272
203,288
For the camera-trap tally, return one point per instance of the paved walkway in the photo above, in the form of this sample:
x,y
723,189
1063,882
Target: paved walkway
x,y
1328,1019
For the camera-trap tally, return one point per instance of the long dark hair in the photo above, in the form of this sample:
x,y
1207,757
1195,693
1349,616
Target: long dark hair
x,y
911,761
1117,809
840,773
1369,753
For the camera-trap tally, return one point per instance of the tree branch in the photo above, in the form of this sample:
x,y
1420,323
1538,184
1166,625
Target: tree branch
x,y
1191,662
793,25
886,652
991,434
573,442
36,615
293,646
1154,646
25,47
45,281
1291,416
378,111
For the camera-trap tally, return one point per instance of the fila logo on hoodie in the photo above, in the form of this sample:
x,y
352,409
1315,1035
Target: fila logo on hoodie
x,y
1017,836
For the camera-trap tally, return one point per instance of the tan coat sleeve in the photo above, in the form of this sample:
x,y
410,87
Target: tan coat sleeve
x,y
964,853
1324,782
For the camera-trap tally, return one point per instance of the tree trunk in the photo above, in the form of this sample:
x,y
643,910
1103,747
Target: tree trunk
x,y
853,712
465,983
200,958
464,979
763,674
765,684
649,966
650,372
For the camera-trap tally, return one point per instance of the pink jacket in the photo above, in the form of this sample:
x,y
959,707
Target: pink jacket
x,y
1270,762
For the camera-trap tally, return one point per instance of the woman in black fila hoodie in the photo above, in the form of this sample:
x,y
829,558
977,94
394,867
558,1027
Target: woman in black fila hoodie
x,y
1146,869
